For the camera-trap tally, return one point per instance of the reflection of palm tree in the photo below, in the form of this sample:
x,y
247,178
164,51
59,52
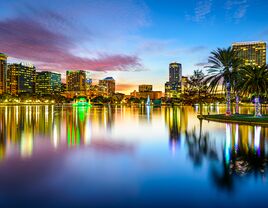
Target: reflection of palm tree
x,y
241,161
245,162
199,146
222,178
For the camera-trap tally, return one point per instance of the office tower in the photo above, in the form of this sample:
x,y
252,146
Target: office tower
x,y
20,78
48,83
12,78
26,78
173,86
184,84
3,73
145,88
76,82
252,53
175,72
109,84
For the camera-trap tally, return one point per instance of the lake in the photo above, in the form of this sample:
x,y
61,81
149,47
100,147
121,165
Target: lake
x,y
60,156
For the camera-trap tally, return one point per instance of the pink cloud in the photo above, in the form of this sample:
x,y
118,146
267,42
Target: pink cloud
x,y
30,40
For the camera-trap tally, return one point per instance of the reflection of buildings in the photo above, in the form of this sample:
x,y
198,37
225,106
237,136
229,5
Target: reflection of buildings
x,y
242,156
173,86
252,53
76,126
177,121
20,125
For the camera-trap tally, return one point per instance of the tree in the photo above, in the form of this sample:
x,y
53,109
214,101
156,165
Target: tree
x,y
223,65
254,82
197,86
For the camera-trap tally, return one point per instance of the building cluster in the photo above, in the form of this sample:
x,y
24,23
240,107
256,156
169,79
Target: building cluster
x,y
79,83
146,90
17,78
251,53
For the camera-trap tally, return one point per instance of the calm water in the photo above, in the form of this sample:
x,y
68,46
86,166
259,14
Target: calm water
x,y
129,157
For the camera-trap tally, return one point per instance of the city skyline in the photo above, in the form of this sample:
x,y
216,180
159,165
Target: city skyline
x,y
131,41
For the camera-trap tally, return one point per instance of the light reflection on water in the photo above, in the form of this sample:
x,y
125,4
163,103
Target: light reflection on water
x,y
129,156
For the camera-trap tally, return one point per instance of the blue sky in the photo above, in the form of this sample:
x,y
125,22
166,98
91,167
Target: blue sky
x,y
131,40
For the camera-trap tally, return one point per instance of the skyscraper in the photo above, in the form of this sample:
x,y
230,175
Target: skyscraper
x,y
175,72
76,82
252,53
3,73
26,79
12,78
48,83
20,78
173,86
109,84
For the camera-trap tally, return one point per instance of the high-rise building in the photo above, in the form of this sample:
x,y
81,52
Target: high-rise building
x,y
48,83
173,86
20,78
145,88
184,84
76,82
252,53
3,73
26,79
109,84
175,72
12,78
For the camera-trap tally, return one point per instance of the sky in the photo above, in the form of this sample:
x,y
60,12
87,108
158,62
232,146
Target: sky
x,y
131,40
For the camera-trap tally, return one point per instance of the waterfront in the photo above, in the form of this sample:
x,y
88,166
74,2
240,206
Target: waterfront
x,y
129,157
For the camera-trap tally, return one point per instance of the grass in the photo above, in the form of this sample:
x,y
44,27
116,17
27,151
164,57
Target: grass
x,y
248,119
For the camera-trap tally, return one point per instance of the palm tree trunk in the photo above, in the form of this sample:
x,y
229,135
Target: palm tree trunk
x,y
237,104
201,109
228,100
257,107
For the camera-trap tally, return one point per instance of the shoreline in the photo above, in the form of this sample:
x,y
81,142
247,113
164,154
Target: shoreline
x,y
244,119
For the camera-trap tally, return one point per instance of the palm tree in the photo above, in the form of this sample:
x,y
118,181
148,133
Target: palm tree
x,y
223,65
254,82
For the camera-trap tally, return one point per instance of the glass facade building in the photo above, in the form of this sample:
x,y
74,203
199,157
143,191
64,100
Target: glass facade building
x,y
20,78
252,53
48,83
109,85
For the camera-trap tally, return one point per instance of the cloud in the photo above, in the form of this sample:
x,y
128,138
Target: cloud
x,y
31,41
236,9
53,36
201,11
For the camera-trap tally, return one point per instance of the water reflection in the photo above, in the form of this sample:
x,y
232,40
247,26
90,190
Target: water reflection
x,y
227,153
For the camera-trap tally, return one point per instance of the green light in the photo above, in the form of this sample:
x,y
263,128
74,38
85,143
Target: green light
x,y
82,102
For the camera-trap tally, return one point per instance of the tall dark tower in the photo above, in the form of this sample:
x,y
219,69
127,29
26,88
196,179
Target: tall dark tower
x,y
3,73
173,86
175,72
